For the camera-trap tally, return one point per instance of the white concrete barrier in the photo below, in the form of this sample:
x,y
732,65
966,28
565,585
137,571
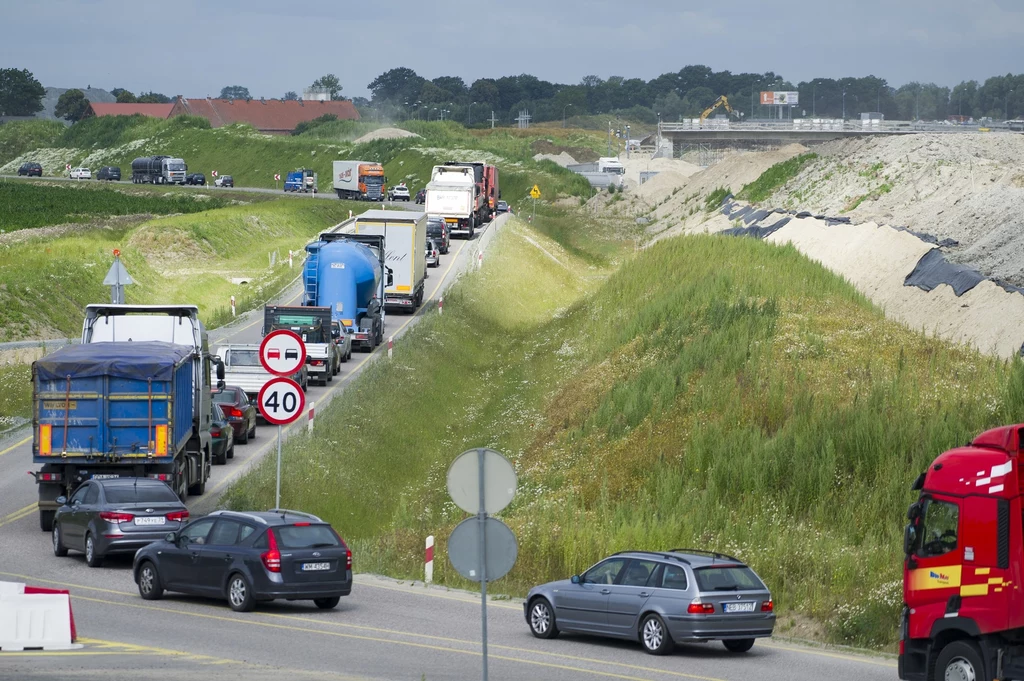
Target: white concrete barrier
x,y
34,621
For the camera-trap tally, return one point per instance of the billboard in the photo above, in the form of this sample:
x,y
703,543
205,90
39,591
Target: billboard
x,y
780,98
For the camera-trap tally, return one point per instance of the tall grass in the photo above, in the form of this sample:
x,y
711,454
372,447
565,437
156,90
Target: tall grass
x,y
18,137
712,392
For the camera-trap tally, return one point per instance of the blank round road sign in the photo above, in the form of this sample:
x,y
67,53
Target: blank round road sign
x,y
501,550
282,352
281,401
500,481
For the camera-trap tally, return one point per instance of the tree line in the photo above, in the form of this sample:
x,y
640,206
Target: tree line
x,y
685,94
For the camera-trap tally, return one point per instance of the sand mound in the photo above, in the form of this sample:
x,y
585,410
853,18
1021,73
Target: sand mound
x,y
563,159
385,134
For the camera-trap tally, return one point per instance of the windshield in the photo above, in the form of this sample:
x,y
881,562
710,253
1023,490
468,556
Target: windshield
x,y
938,528
176,166
224,397
375,181
124,494
244,358
727,578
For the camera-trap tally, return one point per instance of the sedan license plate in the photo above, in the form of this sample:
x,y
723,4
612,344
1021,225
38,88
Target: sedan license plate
x,y
105,476
313,567
152,520
747,606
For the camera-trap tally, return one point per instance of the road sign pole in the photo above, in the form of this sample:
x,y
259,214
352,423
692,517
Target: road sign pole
x,y
482,518
277,495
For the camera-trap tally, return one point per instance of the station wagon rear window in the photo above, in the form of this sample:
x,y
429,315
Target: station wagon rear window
x,y
305,536
125,494
727,578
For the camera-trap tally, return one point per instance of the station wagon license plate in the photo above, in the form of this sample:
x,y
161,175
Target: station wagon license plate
x,y
105,476
154,520
313,567
747,606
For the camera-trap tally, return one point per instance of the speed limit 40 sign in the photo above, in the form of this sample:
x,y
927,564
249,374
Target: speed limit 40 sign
x,y
281,401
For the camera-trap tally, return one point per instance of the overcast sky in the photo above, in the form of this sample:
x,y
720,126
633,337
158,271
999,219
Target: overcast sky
x,y
194,48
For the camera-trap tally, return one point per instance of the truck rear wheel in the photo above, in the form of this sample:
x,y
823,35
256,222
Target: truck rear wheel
x,y
46,520
960,660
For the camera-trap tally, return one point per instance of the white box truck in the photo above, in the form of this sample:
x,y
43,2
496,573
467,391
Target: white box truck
x,y
453,195
359,180
405,253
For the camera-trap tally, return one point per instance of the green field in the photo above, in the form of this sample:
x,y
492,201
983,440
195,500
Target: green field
x,y
24,205
710,391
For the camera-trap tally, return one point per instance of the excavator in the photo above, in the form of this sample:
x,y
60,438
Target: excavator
x,y
721,101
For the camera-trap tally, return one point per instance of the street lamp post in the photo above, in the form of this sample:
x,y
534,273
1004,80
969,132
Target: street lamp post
x,y
844,105
563,112
1006,107
814,98
471,113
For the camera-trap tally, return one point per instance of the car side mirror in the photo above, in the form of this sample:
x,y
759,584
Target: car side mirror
x,y
576,579
171,537
61,500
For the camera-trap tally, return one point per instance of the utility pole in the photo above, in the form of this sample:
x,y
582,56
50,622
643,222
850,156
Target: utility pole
x,y
609,138
493,119
844,105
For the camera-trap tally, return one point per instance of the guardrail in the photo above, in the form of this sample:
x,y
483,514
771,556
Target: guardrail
x,y
827,124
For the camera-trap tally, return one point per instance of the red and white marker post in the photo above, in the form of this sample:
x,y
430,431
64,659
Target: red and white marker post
x,y
232,306
440,305
312,411
391,346
428,564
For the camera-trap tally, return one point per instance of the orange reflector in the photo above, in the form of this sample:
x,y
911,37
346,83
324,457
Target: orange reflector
x,y
161,440
346,322
45,439
404,288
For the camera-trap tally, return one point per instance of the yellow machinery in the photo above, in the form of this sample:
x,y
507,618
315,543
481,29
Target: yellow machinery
x,y
721,101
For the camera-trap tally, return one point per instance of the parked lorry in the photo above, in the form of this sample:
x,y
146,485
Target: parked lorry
x,y
360,180
963,605
405,245
346,272
242,368
452,195
313,326
301,180
480,179
120,409
159,170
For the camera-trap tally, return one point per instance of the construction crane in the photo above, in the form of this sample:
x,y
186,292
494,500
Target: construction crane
x,y
721,101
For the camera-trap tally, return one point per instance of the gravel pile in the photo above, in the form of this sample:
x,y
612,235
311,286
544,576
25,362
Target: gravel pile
x,y
385,134
563,159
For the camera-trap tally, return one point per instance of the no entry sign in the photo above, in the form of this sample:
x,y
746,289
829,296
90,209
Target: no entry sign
x,y
281,401
282,352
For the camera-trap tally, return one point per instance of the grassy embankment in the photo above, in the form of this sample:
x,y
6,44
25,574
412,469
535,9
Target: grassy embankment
x,y
712,392
253,159
774,178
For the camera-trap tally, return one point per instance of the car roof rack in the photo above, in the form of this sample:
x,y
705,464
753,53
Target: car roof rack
x,y
660,554
713,554
288,511
251,516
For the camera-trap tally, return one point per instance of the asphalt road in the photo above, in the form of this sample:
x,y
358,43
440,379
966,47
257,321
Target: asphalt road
x,y
384,630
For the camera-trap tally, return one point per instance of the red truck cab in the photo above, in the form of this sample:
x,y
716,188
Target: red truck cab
x,y
963,614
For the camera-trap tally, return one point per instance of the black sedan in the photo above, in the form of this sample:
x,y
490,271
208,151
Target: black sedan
x,y
223,436
421,196
115,515
195,178
249,557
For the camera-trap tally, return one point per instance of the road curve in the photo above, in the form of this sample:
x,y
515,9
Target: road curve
x,y
385,630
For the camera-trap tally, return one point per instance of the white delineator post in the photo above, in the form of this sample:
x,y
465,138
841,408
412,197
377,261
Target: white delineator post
x,y
232,306
312,409
428,564
440,305
480,260
391,345
289,258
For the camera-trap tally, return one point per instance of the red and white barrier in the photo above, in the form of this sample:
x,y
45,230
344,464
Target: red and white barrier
x,y
34,618
480,260
232,306
391,346
428,564
440,305
309,425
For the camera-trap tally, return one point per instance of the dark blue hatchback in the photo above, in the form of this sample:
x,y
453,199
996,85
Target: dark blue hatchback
x,y
249,557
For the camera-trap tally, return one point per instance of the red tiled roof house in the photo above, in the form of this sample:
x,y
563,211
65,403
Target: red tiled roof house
x,y
271,116
115,109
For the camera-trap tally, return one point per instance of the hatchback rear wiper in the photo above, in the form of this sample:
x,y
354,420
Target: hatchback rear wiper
x,y
727,588
320,546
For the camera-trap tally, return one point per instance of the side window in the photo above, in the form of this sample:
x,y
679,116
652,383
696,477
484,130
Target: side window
x,y
79,494
604,573
261,542
674,578
638,572
93,495
938,529
242,399
247,531
197,533
225,533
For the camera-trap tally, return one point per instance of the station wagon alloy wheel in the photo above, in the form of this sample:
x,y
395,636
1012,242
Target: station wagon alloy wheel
x,y
542,620
655,639
239,594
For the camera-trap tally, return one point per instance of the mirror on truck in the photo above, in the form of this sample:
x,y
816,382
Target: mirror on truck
x,y
909,539
220,367
391,277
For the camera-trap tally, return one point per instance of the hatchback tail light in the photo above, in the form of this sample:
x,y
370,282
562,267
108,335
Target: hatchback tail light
x,y
271,557
215,432
698,607
348,558
116,517
768,606
232,412
177,516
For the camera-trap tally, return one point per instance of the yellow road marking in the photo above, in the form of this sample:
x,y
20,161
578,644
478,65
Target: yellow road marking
x,y
16,445
19,514
410,644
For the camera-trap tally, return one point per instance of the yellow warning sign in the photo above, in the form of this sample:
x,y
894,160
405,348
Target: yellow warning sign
x,y
535,192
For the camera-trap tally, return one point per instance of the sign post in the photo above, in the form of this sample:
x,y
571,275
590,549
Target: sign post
x,y
277,178
482,481
534,194
281,400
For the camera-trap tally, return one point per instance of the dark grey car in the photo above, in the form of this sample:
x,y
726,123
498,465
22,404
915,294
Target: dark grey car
x,y
115,515
249,557
659,599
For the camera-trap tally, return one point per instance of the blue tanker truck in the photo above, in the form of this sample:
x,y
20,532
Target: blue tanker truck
x,y
116,409
344,272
